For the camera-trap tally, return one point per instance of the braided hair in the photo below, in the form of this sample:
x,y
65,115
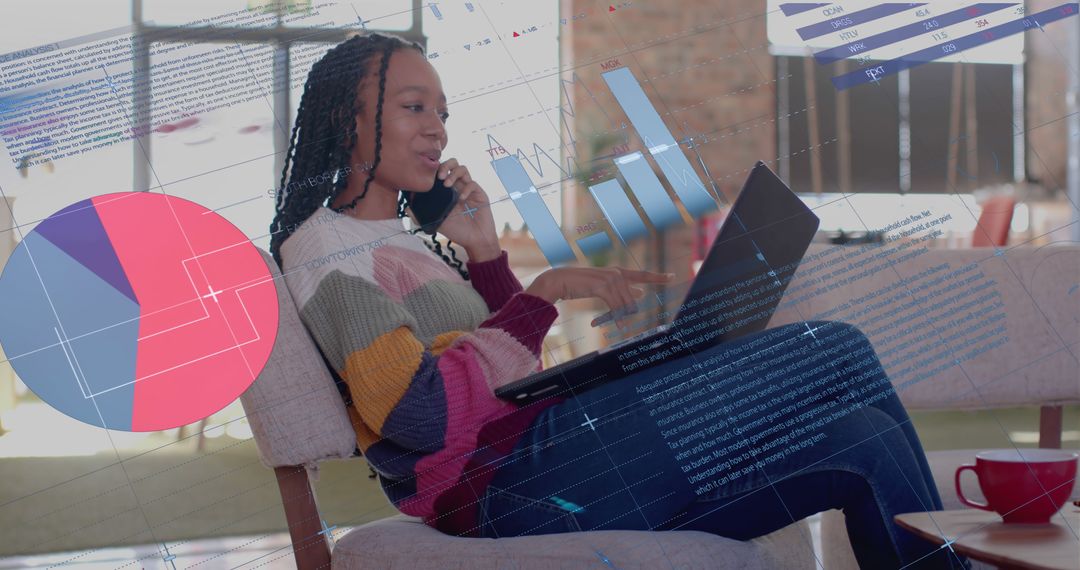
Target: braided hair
x,y
324,136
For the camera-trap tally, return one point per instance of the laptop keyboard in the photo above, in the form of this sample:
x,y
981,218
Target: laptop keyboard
x,y
633,339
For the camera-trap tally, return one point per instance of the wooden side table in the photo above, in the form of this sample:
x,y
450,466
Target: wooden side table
x,y
982,536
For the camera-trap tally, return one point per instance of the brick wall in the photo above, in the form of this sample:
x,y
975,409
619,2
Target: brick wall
x,y
1047,81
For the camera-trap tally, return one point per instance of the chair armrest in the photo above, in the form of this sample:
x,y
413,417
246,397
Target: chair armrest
x,y
293,407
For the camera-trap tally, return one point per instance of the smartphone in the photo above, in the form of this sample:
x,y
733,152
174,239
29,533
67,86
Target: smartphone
x,y
432,207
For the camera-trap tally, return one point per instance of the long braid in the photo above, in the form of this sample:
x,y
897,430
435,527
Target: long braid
x,y
315,148
314,142
279,199
325,131
387,51
455,262
278,233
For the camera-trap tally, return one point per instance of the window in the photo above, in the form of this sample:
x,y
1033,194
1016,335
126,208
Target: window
x,y
43,189
976,127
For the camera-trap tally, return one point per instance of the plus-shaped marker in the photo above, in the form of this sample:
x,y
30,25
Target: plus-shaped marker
x,y
589,422
326,530
169,557
212,294
469,210
604,559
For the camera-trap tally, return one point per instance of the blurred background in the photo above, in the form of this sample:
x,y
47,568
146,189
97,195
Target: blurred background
x,y
732,84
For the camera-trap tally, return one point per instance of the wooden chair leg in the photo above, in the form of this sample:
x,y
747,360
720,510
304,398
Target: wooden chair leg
x,y
1050,418
200,443
310,546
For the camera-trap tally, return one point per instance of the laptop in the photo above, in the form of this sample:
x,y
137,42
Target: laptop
x,y
734,293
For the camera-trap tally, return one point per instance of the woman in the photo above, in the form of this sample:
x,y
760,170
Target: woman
x,y
422,339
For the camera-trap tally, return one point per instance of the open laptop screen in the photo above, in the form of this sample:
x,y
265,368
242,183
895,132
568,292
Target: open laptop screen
x,y
740,281
750,263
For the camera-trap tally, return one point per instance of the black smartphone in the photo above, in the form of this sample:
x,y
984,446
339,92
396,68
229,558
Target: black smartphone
x,y
432,207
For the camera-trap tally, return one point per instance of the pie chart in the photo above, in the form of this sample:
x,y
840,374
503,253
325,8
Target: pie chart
x,y
137,311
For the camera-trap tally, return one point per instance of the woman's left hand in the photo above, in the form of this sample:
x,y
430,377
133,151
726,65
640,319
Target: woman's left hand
x,y
470,223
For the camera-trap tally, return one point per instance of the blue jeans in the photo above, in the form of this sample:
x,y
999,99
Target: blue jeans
x,y
738,440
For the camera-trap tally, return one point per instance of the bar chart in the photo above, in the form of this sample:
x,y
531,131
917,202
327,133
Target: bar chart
x,y
595,243
852,19
900,36
624,219
658,206
659,141
530,205
938,51
618,210
905,32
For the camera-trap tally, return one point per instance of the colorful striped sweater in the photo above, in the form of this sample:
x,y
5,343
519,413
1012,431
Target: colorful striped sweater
x,y
421,351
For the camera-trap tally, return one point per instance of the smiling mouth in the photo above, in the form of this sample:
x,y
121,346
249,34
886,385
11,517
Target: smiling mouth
x,y
430,162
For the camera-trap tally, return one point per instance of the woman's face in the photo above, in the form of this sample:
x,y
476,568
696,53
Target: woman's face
x,y
413,123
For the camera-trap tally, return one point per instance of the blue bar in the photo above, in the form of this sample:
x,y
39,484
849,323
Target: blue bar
x,y
643,182
435,10
659,141
906,32
792,8
468,6
594,243
929,54
531,206
853,19
618,210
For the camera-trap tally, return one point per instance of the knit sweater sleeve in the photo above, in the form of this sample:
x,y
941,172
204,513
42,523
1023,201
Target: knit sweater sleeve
x,y
494,280
410,394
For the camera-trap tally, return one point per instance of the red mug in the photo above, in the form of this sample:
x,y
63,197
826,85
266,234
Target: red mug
x,y
1023,486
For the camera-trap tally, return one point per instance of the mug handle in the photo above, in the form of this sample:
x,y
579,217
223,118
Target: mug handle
x,y
960,493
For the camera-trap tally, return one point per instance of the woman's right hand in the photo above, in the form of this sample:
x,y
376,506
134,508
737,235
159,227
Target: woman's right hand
x,y
613,285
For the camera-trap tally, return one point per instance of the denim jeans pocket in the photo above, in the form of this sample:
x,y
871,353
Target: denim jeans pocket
x,y
503,514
